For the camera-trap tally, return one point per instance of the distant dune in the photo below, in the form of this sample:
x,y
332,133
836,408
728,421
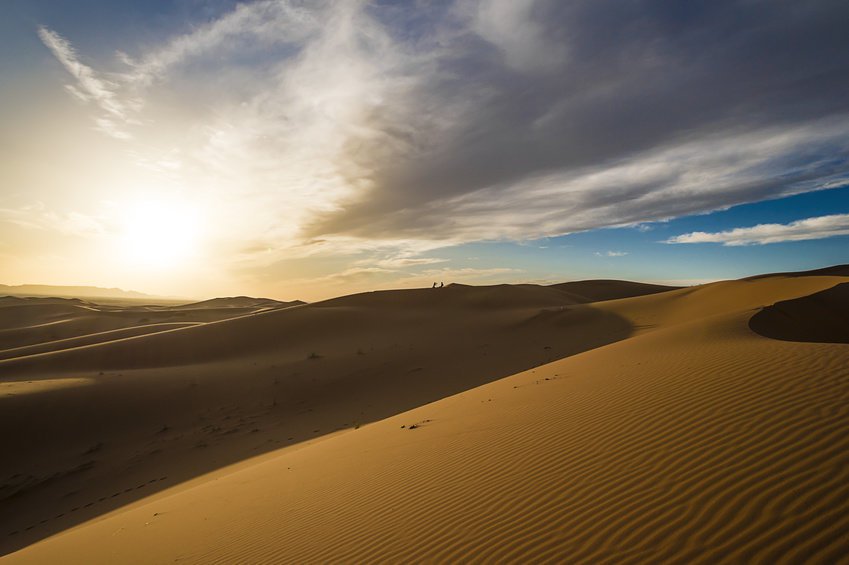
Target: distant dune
x,y
599,290
240,302
36,324
594,421
461,296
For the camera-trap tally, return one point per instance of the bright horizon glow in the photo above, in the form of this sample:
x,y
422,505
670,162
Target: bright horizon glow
x,y
159,234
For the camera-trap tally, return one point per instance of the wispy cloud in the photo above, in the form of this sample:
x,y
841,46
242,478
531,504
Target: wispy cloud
x,y
249,28
810,228
90,86
611,254
406,262
521,38
38,217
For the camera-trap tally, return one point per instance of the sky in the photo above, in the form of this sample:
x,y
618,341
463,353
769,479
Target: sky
x,y
308,149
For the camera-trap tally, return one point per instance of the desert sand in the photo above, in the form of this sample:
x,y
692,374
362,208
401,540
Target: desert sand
x,y
597,422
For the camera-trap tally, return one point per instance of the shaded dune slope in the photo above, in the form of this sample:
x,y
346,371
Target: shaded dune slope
x,y
180,403
239,302
90,339
40,321
452,310
23,313
820,317
463,297
599,290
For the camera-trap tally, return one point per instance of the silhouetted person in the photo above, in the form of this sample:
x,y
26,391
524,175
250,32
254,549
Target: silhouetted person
x,y
441,284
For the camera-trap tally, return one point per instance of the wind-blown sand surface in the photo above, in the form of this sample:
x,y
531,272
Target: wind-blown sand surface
x,y
510,423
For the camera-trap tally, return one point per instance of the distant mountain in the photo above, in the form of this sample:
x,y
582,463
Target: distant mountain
x,y
69,291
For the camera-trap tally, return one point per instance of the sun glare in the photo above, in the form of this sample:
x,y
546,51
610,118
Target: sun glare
x,y
160,234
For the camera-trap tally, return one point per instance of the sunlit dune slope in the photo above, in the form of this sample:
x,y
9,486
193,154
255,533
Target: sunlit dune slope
x,y
700,302
696,441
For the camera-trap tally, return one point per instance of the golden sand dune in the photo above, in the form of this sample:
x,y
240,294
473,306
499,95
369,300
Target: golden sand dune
x,y
704,301
667,431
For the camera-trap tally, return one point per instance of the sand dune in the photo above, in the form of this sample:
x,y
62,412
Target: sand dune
x,y
599,290
240,302
90,339
39,321
186,401
819,317
454,296
832,271
427,428
700,302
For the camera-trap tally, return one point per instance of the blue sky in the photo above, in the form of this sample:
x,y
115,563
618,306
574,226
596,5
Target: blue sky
x,y
642,254
309,149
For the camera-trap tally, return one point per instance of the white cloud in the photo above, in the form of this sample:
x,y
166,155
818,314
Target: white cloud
x,y
692,177
38,217
512,28
405,262
810,228
248,27
378,129
611,254
90,86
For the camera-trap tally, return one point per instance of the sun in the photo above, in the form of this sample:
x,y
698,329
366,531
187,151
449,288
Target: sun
x,y
159,234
